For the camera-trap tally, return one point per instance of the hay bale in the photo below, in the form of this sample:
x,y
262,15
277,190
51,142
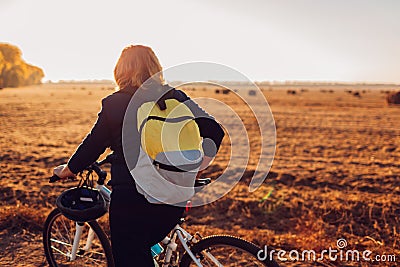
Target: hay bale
x,y
252,92
291,92
393,98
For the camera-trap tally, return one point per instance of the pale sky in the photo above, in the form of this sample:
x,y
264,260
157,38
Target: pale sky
x,y
337,40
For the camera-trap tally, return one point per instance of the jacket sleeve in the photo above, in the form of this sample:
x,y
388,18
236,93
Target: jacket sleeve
x,y
93,145
210,129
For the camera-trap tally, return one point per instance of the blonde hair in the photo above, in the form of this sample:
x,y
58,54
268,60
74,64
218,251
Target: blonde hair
x,y
136,64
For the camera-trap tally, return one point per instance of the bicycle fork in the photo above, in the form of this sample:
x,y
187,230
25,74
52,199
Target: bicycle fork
x,y
78,234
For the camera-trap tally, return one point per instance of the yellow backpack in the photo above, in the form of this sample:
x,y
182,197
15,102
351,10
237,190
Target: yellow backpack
x,y
170,152
171,129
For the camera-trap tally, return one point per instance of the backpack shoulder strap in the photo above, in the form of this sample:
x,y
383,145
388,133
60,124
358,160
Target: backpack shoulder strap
x,y
168,95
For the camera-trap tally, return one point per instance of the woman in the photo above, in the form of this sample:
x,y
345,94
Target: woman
x,y
135,224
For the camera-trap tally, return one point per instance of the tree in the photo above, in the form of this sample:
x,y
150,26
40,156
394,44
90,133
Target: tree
x,y
11,54
14,71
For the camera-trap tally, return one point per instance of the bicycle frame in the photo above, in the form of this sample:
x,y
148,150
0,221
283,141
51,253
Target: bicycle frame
x,y
170,242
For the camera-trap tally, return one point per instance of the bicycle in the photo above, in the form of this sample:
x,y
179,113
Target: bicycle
x,y
70,243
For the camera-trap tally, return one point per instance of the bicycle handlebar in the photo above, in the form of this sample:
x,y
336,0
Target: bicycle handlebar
x,y
95,166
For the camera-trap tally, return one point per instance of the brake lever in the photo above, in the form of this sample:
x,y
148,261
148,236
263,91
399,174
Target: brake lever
x,y
55,178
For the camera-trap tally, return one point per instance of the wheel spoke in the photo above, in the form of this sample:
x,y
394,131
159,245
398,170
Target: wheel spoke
x,y
60,242
213,259
59,251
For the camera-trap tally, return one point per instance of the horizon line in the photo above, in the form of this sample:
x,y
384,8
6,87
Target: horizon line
x,y
266,82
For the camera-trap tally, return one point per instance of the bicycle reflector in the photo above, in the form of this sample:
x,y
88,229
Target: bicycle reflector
x,y
81,204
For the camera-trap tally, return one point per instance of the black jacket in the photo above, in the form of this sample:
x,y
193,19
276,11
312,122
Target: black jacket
x,y
107,132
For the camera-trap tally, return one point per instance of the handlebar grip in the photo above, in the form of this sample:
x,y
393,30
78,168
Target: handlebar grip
x,y
102,174
54,178
202,182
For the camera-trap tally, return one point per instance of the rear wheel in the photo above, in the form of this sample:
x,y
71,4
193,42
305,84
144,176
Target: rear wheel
x,y
58,237
222,250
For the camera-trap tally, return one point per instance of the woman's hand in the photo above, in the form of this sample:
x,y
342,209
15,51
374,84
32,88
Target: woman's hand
x,y
204,164
206,161
63,171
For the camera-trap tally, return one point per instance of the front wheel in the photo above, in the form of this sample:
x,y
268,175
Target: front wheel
x,y
223,250
58,236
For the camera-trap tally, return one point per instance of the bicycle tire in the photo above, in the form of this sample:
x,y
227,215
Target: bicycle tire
x,y
50,251
215,241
